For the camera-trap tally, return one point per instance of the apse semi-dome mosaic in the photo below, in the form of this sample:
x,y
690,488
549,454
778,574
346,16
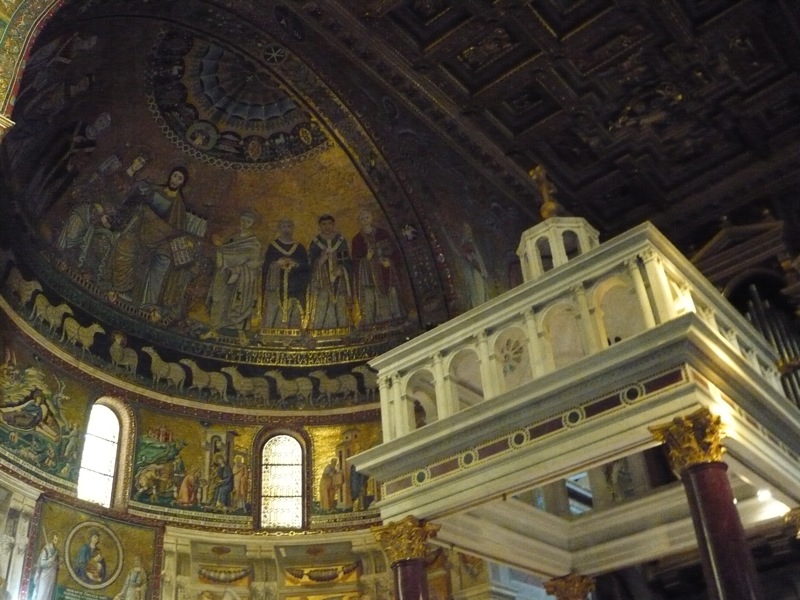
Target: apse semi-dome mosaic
x,y
208,226
192,215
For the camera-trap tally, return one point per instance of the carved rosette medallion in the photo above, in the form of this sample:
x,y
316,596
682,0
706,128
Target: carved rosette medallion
x,y
405,540
793,517
570,587
692,440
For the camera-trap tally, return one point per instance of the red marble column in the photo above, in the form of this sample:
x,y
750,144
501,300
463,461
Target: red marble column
x,y
728,561
410,582
404,544
695,451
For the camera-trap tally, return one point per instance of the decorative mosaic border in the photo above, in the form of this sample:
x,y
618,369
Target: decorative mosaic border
x,y
535,432
11,465
17,37
345,521
109,385
185,517
245,524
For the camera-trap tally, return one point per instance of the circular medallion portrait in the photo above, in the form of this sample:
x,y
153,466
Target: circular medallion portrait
x,y
94,555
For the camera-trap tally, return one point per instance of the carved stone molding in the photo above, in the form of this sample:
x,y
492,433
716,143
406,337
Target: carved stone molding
x,y
570,587
691,440
405,539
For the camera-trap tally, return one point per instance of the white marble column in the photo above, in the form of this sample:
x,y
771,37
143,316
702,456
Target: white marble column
x,y
491,387
403,409
557,247
446,401
541,358
556,498
588,326
387,408
585,240
641,292
659,287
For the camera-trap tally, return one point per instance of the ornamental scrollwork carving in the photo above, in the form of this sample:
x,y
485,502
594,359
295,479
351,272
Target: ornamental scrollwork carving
x,y
692,440
405,539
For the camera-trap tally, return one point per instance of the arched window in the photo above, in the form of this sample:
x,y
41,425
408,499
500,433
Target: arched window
x,y
99,459
282,484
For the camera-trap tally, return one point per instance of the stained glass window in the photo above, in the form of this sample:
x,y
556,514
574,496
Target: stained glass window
x,y
282,483
99,459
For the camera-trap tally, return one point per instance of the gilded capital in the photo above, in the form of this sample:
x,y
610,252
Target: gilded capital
x,y
691,440
570,587
5,125
405,540
793,517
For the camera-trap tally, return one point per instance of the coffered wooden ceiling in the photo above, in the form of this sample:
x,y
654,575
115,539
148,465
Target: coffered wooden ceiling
x,y
677,111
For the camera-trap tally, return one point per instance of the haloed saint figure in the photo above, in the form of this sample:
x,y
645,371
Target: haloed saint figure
x,y
45,576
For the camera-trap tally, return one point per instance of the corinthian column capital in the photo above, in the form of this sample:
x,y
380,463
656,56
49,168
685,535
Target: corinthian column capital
x,y
691,440
405,539
570,587
793,517
5,125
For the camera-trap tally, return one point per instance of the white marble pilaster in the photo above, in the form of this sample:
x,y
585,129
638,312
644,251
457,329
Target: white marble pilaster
x,y
169,571
21,538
